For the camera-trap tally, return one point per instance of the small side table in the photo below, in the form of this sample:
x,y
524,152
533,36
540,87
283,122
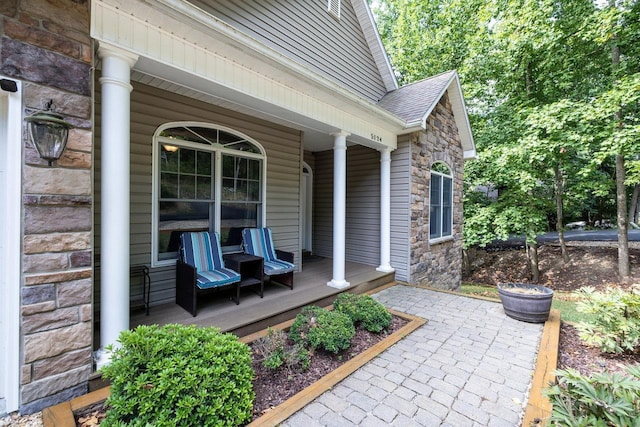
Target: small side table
x,y
251,269
141,271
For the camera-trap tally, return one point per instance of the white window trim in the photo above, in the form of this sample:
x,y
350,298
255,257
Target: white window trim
x,y
218,148
448,237
10,279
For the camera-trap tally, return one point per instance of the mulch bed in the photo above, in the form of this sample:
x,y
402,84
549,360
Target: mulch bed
x,y
272,387
573,353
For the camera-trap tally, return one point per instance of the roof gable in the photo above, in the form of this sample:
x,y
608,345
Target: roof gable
x,y
414,103
344,50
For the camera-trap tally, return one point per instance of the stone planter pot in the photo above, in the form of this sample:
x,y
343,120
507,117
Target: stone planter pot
x,y
526,302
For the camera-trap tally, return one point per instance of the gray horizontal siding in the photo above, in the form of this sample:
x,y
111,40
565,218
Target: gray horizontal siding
x,y
400,204
305,32
363,205
150,108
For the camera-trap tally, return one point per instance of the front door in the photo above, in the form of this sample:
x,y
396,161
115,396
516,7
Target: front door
x,y
306,207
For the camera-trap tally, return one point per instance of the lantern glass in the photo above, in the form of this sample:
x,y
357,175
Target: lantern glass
x,y
48,133
50,139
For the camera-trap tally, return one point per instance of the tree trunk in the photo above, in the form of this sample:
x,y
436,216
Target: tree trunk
x,y
623,237
466,263
532,255
560,211
634,207
621,193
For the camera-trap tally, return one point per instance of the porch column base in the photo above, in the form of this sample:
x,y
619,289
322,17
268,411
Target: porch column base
x,y
102,358
338,284
386,269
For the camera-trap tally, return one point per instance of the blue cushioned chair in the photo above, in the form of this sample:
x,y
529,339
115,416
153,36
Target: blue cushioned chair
x,y
278,265
201,268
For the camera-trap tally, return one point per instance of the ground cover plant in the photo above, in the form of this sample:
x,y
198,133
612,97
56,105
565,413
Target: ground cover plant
x,y
615,326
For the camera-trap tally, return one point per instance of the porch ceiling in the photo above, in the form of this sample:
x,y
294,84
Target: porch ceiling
x,y
204,58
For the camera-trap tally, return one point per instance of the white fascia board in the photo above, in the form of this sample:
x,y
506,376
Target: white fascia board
x,y
368,24
459,113
200,46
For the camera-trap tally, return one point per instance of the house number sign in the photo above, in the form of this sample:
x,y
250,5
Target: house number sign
x,y
376,138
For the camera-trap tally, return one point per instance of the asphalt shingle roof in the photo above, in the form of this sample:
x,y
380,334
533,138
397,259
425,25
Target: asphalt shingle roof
x,y
413,101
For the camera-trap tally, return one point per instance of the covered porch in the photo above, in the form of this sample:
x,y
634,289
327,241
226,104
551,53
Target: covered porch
x,y
279,303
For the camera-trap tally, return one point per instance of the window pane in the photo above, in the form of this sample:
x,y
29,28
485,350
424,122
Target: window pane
x,y
177,217
169,186
235,217
435,209
204,163
434,222
187,186
187,160
169,160
254,169
253,190
446,191
226,138
203,188
447,203
228,166
446,221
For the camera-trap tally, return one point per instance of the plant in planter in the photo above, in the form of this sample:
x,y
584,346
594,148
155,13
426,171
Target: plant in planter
x,y
526,302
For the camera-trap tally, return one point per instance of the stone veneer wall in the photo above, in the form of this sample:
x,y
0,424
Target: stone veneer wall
x,y
438,265
46,45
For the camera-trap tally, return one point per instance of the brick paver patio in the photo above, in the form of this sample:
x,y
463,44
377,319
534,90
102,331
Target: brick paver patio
x,y
470,365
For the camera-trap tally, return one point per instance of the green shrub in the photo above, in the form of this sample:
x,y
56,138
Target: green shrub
x,y
615,327
600,400
318,328
275,352
303,322
363,310
178,375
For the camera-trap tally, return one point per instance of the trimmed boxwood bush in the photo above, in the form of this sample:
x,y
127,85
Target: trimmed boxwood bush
x,y
363,310
318,328
178,375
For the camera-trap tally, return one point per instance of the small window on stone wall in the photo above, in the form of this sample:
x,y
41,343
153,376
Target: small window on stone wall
x,y
440,202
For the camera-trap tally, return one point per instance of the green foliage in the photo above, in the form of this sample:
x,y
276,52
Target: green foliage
x,y
600,400
178,375
541,92
363,310
274,352
616,324
318,328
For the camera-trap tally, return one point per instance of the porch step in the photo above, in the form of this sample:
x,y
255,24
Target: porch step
x,y
365,283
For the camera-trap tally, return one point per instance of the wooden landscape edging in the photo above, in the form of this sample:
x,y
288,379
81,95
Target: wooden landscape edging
x,y
538,410
298,401
61,415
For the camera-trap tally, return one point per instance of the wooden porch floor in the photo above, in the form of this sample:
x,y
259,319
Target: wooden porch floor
x,y
279,303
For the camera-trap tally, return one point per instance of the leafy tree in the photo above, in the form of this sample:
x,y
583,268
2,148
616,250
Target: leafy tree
x,y
553,119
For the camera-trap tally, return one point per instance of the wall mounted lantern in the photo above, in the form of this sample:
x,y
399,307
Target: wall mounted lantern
x,y
48,133
170,148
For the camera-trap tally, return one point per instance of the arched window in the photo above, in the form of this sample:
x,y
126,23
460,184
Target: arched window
x,y
205,178
441,202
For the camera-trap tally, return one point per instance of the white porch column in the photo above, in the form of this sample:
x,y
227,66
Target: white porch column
x,y
385,212
339,208
114,181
